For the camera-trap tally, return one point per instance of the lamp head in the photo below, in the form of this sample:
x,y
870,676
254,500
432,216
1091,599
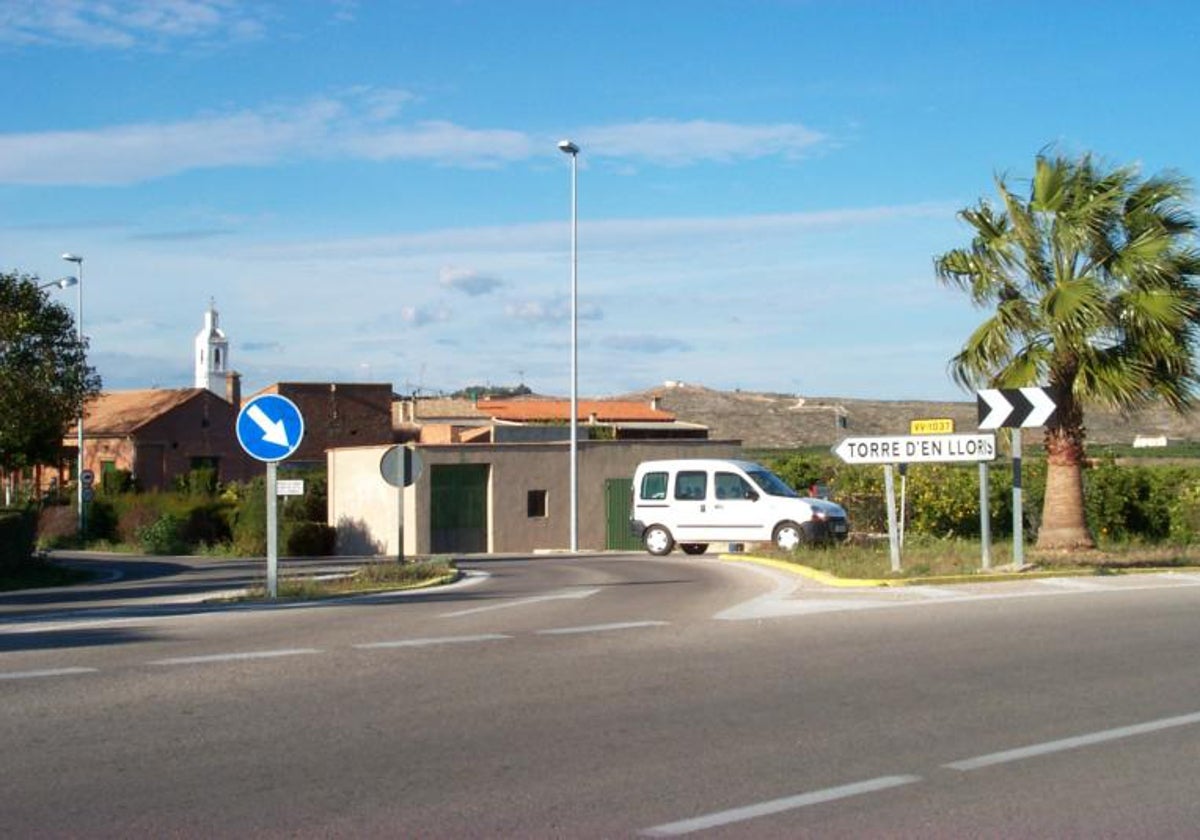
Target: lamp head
x,y
69,257
65,282
567,147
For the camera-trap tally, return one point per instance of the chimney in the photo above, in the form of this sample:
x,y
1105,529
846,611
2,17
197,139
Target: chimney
x,y
233,388
654,400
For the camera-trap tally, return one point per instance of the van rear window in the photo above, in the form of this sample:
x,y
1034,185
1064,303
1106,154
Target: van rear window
x,y
654,485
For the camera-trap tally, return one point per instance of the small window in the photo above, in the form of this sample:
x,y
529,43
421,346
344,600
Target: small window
x,y
731,486
536,504
691,486
654,486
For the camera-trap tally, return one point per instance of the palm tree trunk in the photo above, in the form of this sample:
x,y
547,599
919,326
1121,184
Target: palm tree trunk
x,y
1064,522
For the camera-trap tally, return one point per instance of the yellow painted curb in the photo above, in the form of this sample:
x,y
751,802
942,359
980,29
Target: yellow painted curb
x,y
827,579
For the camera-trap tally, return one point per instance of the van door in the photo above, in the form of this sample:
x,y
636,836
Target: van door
x,y
738,511
690,506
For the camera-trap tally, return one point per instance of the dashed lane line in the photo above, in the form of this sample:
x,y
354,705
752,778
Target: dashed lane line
x,y
46,672
567,595
432,641
601,628
777,806
236,657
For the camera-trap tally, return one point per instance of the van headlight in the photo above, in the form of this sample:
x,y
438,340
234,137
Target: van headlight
x,y
820,515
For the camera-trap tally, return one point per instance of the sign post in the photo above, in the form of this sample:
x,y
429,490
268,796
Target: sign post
x,y
1016,409
400,466
910,449
270,428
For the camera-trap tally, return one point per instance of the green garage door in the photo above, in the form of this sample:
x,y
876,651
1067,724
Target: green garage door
x,y
618,501
458,508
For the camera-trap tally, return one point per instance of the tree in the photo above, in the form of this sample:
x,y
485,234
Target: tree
x,y
44,375
1093,280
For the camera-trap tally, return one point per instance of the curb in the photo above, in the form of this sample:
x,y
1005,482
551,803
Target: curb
x,y
827,579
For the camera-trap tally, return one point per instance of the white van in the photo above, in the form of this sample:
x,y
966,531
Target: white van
x,y
693,502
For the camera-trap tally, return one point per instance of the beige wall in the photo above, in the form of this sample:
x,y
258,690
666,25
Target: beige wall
x,y
362,506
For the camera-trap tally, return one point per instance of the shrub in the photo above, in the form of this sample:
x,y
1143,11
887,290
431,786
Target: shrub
x,y
18,537
307,539
163,536
57,526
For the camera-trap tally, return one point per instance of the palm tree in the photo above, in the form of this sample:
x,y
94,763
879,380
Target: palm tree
x,y
1093,281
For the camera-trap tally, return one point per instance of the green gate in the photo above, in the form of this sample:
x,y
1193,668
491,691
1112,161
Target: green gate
x,y
618,502
458,508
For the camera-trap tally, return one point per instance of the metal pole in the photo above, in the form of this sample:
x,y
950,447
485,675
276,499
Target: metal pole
x,y
889,488
567,147
1018,553
79,466
985,517
272,532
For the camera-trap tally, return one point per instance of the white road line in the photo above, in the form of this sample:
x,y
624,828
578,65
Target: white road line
x,y
777,806
933,593
235,657
1076,742
49,672
570,595
1073,584
600,628
437,640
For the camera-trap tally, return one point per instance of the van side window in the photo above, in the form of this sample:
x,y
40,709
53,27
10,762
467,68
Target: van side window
x,y
731,486
654,485
691,485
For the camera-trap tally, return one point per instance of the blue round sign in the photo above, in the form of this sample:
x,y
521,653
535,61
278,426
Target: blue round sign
x,y
270,427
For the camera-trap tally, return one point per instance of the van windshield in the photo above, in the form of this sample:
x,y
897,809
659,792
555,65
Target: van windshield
x,y
770,483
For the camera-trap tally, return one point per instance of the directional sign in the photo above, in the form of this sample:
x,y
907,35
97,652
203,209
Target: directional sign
x,y
916,449
1016,408
270,427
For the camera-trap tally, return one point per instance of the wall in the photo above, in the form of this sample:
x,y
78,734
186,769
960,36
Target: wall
x,y
362,506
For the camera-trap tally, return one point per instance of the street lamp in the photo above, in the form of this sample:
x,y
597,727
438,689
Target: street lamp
x,y
77,281
569,148
62,283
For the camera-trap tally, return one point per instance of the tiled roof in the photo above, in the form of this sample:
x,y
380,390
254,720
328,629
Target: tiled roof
x,y
605,411
123,412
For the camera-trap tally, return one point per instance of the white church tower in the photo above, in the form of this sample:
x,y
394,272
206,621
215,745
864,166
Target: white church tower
x,y
212,354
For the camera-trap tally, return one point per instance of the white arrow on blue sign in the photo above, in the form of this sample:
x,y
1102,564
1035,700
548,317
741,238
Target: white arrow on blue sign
x,y
270,427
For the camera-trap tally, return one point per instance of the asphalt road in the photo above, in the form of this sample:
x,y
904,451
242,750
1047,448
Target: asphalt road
x,y
609,696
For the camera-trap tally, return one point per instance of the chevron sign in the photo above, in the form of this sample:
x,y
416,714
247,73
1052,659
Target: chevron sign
x,y
1016,408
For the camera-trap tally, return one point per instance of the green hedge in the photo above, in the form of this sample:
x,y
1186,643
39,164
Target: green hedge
x,y
1147,501
18,535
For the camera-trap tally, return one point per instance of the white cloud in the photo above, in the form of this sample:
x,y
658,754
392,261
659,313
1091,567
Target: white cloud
x,y
553,311
467,280
683,142
420,316
127,24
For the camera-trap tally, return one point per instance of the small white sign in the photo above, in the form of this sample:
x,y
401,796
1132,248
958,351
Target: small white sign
x,y
289,487
914,450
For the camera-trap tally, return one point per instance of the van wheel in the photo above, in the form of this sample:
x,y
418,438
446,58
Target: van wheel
x,y
788,536
658,540
694,548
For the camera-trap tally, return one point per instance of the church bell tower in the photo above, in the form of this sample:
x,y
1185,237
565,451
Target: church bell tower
x,y
212,354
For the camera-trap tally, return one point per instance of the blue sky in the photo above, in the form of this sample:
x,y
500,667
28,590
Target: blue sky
x,y
371,191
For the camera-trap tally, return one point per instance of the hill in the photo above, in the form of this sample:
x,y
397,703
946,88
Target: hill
x,y
768,421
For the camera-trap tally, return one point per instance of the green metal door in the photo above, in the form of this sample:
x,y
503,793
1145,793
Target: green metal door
x,y
618,502
458,508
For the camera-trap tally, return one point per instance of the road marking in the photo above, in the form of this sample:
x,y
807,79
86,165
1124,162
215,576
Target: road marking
x,y
48,672
777,806
570,595
437,640
933,593
600,628
1076,742
234,657
1072,584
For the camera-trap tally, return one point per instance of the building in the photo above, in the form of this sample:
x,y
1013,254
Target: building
x,y
211,354
338,414
160,434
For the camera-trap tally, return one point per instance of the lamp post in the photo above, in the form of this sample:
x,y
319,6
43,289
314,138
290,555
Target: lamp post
x,y
569,148
73,258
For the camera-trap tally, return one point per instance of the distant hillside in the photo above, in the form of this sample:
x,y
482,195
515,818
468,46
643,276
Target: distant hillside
x,y
786,420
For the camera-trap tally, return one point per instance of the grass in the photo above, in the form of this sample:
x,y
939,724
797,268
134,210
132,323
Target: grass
x,y
381,576
924,557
